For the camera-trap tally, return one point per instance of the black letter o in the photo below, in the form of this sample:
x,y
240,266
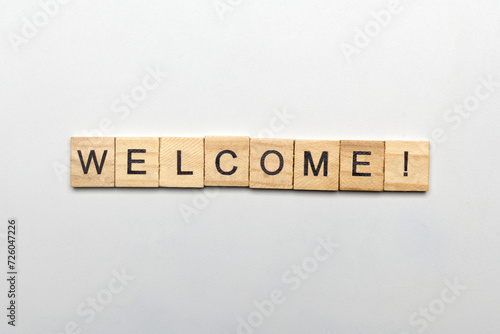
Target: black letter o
x,y
263,159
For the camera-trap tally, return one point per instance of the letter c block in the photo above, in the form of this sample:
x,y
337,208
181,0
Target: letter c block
x,y
226,161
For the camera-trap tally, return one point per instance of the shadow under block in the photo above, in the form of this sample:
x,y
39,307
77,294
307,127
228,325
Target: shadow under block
x,y
226,161
182,162
362,165
415,177
271,163
316,165
137,162
92,162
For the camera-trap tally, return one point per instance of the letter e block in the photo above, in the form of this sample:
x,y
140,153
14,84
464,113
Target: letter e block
x,y
406,166
271,163
316,165
362,165
182,162
92,162
226,161
137,161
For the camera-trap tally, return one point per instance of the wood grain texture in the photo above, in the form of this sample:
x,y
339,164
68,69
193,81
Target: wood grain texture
x,y
227,161
100,168
184,169
417,166
362,165
136,155
265,154
309,153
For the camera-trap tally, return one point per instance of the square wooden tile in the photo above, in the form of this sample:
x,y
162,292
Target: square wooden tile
x,y
316,165
271,163
182,162
362,165
412,175
226,161
92,162
137,161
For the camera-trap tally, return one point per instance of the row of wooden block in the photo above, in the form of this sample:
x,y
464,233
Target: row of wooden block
x,y
248,162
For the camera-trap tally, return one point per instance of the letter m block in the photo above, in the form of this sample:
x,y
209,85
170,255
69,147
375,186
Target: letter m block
x,y
92,162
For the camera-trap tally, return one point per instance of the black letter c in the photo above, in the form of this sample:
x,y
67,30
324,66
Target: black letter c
x,y
217,162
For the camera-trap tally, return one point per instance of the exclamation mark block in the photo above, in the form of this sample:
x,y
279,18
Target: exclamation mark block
x,y
406,166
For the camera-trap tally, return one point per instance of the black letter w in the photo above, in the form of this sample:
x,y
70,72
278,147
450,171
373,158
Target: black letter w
x,y
92,156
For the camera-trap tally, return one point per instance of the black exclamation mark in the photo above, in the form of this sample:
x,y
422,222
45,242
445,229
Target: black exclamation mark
x,y
406,164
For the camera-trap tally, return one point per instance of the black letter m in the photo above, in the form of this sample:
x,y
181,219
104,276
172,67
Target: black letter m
x,y
322,160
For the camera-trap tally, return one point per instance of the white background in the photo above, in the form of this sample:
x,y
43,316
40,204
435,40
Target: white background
x,y
230,72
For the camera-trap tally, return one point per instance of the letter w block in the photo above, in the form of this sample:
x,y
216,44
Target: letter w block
x,y
92,162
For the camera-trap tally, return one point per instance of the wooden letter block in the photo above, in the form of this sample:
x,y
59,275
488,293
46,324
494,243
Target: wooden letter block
x,y
406,166
362,165
92,162
137,162
271,163
226,161
181,162
316,165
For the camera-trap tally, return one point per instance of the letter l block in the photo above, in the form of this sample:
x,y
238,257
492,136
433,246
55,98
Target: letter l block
x,y
182,162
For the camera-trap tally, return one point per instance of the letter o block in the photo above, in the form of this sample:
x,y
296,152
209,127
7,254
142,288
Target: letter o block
x,y
271,163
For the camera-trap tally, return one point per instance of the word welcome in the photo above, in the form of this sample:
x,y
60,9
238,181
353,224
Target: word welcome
x,y
358,165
